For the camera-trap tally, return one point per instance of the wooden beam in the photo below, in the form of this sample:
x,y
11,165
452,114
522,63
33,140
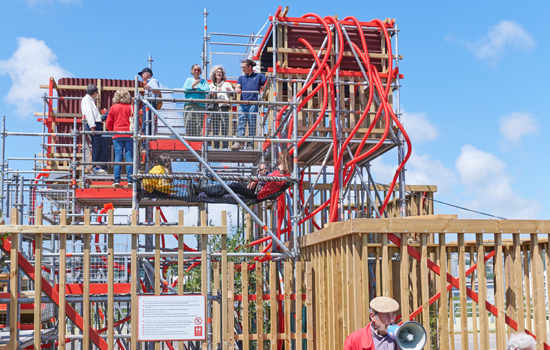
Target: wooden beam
x,y
86,286
142,230
14,284
134,282
61,327
38,283
110,282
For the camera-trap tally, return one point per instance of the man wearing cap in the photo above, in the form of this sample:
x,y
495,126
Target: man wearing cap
x,y
374,336
152,90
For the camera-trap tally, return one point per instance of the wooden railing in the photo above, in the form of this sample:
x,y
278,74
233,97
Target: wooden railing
x,y
343,284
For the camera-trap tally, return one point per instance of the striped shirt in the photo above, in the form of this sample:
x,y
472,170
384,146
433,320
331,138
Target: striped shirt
x,y
382,342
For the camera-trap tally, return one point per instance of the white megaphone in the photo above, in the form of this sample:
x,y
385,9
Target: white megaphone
x,y
409,336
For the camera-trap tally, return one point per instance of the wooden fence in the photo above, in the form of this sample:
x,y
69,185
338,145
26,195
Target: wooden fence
x,y
343,282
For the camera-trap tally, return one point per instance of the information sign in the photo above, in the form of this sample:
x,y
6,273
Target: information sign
x,y
171,317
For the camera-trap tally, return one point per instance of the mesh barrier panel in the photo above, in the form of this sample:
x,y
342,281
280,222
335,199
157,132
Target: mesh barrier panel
x,y
231,62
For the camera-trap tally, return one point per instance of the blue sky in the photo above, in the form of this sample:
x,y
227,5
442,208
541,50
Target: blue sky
x,y
473,94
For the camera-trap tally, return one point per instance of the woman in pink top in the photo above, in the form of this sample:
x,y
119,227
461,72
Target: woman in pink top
x,y
119,120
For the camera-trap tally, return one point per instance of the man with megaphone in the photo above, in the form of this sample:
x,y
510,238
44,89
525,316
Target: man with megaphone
x,y
382,334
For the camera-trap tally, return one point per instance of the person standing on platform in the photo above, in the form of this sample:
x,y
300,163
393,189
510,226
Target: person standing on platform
x,y
121,118
195,88
152,90
375,335
249,85
94,122
220,117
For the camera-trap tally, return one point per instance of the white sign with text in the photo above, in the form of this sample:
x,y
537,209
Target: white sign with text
x,y
171,317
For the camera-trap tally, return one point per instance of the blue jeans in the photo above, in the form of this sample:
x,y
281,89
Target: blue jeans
x,y
100,146
126,146
247,114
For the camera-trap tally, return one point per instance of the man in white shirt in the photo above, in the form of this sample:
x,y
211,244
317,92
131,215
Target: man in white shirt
x,y
94,122
152,90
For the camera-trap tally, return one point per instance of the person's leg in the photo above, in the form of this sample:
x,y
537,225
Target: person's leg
x,y
96,146
252,118
103,146
215,119
242,189
224,124
129,156
241,125
212,191
189,130
200,119
118,145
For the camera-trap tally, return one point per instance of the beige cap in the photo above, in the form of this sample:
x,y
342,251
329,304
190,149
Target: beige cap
x,y
384,304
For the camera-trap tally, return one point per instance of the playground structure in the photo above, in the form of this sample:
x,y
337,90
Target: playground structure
x,y
317,250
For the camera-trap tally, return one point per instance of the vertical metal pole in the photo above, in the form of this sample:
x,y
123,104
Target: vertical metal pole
x,y
295,214
3,165
204,47
135,144
209,294
150,60
401,148
73,180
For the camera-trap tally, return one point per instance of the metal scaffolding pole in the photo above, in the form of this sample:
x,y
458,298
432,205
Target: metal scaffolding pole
x,y
217,178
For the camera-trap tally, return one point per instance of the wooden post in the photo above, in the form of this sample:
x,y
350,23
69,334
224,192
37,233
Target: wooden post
x,y
499,293
482,293
86,286
299,304
309,304
527,285
385,266
38,283
181,268
462,281
259,306
475,330
14,282
62,280
443,307
518,286
274,305
425,287
134,282
287,266
539,305
224,315
231,305
245,304
405,311
110,283
204,265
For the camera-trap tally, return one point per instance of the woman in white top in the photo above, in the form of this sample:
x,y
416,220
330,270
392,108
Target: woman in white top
x,y
220,118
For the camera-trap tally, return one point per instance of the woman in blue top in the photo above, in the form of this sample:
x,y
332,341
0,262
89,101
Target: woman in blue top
x,y
195,88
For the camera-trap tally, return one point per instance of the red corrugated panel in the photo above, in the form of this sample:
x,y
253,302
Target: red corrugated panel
x,y
73,106
316,35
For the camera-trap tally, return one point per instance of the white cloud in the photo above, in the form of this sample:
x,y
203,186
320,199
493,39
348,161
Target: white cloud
x,y
488,187
418,127
423,170
518,124
499,37
32,64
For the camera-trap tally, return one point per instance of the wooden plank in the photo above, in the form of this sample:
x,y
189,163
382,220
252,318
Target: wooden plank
x,y
204,265
299,303
547,259
110,283
349,285
443,307
332,312
14,282
181,271
462,289
509,275
245,313
309,304
377,272
134,281
273,303
38,284
322,298
231,305
450,299
474,304
216,316
365,276
518,286
340,333
499,293
259,306
86,286
61,330
527,286
287,266
346,327
405,306
359,284
425,287
385,266
539,305
225,343
142,230
482,293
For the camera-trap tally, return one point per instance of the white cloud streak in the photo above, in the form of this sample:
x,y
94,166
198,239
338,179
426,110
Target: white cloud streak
x,y
32,64
504,34
418,127
518,124
488,187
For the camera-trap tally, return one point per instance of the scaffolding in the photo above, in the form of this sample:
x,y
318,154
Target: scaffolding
x,y
334,108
